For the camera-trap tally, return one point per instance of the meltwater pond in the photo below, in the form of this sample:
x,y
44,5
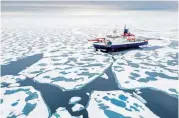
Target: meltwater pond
x,y
157,103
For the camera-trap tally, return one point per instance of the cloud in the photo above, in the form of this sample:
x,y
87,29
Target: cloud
x,y
69,6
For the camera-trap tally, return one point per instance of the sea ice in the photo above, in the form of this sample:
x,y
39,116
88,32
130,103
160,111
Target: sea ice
x,y
22,38
117,104
157,69
74,100
14,85
77,116
17,42
77,107
69,68
88,94
11,80
138,91
105,76
23,102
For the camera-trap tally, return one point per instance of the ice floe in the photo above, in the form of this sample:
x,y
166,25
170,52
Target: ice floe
x,y
157,69
74,100
87,94
77,107
22,102
14,85
138,91
117,104
69,68
105,76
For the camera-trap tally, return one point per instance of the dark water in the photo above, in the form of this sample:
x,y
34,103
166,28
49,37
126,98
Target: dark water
x,y
16,66
160,103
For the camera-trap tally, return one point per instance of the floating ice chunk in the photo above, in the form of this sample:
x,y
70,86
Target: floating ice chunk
x,y
11,80
156,69
77,116
74,100
77,107
88,94
61,113
138,91
14,85
69,68
116,104
139,98
104,76
22,102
